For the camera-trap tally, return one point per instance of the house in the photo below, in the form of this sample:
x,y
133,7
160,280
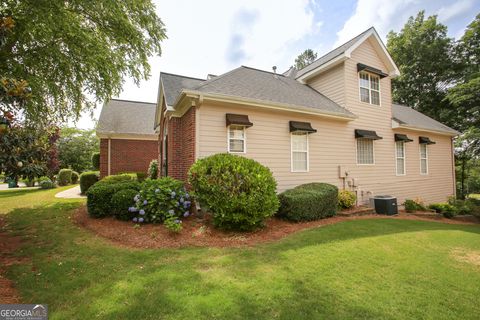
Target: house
x,y
333,121
128,141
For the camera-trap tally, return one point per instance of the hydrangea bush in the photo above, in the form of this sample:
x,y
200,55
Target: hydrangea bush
x,y
162,200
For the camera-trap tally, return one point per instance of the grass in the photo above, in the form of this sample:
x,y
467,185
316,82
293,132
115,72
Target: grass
x,y
364,269
28,198
474,195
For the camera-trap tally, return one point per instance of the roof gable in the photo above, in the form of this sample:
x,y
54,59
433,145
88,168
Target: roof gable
x,y
173,84
344,52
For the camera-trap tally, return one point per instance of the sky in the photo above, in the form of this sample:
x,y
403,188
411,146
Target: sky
x,y
215,36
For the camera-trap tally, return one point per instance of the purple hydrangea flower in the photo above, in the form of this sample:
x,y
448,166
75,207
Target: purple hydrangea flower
x,y
181,200
173,194
145,202
140,219
177,204
186,204
137,197
157,190
171,211
186,214
187,195
142,212
177,221
134,219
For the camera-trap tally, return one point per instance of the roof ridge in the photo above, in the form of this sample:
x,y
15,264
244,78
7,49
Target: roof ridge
x,y
216,78
269,72
134,101
182,76
337,48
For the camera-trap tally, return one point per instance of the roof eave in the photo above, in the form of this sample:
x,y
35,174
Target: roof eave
x,y
263,104
452,133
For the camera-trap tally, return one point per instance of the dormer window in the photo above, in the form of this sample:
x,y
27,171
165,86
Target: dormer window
x,y
369,87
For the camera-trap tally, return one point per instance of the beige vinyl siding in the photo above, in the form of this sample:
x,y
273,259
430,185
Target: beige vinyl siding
x,y
331,84
268,140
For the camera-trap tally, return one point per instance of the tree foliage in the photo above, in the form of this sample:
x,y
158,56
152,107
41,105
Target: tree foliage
x,y
68,51
423,52
76,148
305,58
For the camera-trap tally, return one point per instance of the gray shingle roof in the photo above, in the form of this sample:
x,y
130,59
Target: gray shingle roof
x,y
408,116
331,55
261,85
174,83
127,117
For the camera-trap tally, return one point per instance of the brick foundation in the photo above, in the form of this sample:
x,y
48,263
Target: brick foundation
x,y
127,155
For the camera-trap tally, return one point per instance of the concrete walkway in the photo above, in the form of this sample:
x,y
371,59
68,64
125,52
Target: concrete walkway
x,y
21,186
72,193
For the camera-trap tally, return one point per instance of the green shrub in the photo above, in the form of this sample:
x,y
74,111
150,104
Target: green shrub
x,y
161,199
75,177
141,176
99,197
43,178
414,205
96,161
122,201
239,192
64,177
437,207
46,184
308,202
153,169
346,199
446,209
88,179
123,177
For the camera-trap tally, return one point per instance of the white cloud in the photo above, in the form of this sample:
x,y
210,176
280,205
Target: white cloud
x,y
201,36
455,9
383,15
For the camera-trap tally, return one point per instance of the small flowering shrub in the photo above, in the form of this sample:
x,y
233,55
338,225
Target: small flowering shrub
x,y
239,192
173,224
153,169
161,200
346,199
121,202
47,184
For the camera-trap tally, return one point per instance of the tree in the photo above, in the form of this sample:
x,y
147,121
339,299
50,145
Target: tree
x,y
68,51
76,148
305,58
467,151
423,52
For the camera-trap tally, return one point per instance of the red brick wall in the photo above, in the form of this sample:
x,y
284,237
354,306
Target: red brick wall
x,y
127,155
181,145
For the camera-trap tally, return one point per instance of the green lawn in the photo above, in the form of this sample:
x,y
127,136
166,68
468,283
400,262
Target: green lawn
x,y
475,195
364,269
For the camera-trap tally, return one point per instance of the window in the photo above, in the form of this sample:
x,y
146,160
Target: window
x,y
236,139
369,88
299,142
400,157
423,159
365,151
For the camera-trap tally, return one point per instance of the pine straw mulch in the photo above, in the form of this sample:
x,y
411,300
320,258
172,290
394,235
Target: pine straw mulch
x,y
201,233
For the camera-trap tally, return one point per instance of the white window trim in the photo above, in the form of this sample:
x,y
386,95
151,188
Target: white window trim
x,y
369,89
404,159
356,153
244,140
426,158
291,154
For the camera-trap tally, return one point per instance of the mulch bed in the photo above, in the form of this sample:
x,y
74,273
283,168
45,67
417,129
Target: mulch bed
x,y
201,233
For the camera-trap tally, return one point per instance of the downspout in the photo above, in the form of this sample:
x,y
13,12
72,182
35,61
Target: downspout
x,y
453,169
109,156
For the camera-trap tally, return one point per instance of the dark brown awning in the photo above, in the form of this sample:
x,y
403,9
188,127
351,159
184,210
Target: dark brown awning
x,y
425,140
364,67
301,126
366,134
238,119
402,137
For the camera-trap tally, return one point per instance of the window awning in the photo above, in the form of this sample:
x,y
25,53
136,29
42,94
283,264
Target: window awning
x,y
366,134
301,126
238,119
425,140
402,137
364,67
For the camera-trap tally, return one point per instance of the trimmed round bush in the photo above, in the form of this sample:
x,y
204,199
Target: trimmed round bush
x,y
88,179
123,177
153,169
96,161
99,197
64,177
308,202
346,199
46,184
239,192
160,200
141,176
75,177
121,202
